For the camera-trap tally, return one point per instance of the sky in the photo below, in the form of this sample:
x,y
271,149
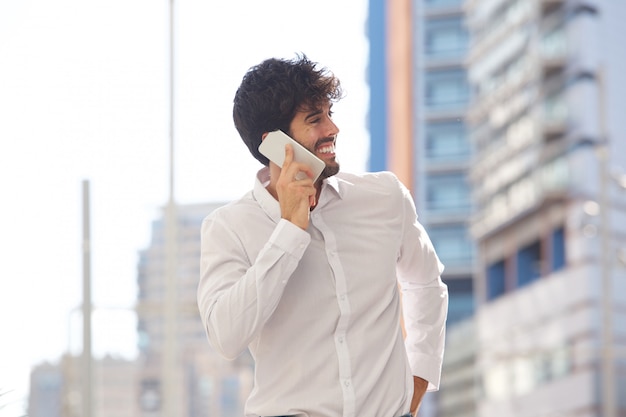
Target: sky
x,y
84,95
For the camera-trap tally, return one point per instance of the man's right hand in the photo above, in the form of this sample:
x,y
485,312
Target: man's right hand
x,y
296,197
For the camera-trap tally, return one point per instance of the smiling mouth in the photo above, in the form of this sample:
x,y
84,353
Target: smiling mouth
x,y
326,147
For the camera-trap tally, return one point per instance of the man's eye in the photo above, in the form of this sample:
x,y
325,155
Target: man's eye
x,y
330,113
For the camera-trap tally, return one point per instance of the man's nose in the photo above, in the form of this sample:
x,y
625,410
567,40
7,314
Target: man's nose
x,y
331,129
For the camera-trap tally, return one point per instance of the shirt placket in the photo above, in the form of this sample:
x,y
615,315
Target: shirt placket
x,y
343,301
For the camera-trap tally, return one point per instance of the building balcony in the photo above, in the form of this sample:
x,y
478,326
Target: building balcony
x,y
441,8
527,194
510,95
445,112
452,58
492,32
549,6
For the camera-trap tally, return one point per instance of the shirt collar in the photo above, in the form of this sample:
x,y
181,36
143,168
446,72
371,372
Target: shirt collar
x,y
269,204
332,183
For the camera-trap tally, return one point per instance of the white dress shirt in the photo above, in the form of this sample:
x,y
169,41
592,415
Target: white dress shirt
x,y
320,309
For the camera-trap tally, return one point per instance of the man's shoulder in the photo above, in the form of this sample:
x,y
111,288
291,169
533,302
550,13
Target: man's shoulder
x,y
370,179
235,208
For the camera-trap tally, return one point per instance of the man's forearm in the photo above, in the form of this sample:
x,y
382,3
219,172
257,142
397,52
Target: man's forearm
x,y
419,389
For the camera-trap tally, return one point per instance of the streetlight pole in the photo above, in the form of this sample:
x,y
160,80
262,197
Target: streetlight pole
x,y
87,367
608,363
169,375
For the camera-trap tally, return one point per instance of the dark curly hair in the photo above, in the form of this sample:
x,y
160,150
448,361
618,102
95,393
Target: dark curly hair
x,y
272,92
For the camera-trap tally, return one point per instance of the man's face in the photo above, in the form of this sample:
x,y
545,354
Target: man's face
x,y
314,129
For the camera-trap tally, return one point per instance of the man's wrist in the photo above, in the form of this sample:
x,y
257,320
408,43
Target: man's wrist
x,y
419,389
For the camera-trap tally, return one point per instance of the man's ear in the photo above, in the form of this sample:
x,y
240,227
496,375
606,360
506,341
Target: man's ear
x,y
264,135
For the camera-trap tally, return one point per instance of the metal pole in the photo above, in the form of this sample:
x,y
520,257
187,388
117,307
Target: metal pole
x,y
169,374
87,387
608,371
172,99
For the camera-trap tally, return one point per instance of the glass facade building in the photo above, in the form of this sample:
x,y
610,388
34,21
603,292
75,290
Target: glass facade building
x,y
544,125
440,151
518,159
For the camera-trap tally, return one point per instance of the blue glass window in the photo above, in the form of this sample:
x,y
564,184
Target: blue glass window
x,y
445,38
446,89
461,305
558,249
447,192
528,264
435,3
452,243
230,396
495,280
447,140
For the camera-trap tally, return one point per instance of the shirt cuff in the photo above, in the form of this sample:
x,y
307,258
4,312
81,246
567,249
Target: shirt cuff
x,y
290,238
426,367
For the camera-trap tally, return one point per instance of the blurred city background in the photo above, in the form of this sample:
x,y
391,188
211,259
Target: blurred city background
x,y
504,118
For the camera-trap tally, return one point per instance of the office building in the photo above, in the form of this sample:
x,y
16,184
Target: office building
x,y
544,89
206,383
550,223
419,95
45,398
56,389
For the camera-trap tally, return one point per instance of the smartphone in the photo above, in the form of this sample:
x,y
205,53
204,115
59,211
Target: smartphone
x,y
273,148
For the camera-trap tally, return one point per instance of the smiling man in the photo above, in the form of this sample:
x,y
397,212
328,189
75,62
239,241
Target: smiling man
x,y
304,274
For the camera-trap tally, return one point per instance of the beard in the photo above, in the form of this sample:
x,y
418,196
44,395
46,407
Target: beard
x,y
329,171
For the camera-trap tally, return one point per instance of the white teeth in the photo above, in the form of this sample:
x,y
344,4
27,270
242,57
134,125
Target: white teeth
x,y
327,149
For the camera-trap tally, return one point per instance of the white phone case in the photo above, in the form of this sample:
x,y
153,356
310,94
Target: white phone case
x,y
273,148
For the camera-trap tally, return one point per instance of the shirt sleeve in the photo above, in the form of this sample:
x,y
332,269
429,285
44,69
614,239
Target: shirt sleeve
x,y
236,296
424,297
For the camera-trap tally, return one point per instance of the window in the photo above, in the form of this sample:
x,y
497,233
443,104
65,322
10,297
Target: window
x,y
452,244
229,399
443,2
555,108
460,292
528,264
445,38
558,249
523,375
447,140
447,192
149,395
446,89
495,280
554,44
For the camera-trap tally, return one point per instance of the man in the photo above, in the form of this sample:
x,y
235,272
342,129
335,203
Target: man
x,y
305,274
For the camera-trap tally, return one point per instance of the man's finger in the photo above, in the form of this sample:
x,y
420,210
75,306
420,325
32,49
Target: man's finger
x,y
288,155
303,173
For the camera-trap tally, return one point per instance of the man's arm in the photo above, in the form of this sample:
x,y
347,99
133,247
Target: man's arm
x,y
424,297
236,297
419,389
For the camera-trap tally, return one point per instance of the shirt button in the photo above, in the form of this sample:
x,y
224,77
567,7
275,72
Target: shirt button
x,y
340,339
347,383
343,297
